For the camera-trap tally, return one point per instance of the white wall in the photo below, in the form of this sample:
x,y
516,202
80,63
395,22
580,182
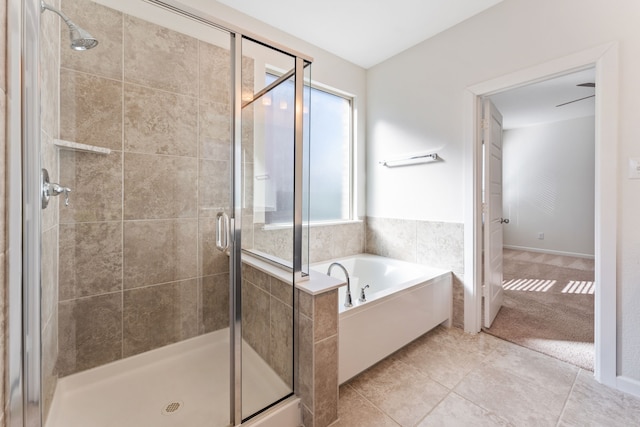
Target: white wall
x,y
416,102
548,186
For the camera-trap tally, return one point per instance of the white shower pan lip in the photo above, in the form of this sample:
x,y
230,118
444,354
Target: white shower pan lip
x,y
189,376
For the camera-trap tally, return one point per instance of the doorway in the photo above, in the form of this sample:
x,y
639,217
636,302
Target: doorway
x,y
547,217
605,60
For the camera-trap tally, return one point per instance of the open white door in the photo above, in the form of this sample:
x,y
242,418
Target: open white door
x,y
492,137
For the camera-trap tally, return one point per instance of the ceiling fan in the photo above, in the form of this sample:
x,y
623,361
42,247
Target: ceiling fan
x,y
580,99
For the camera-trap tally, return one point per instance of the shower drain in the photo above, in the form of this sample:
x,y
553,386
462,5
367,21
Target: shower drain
x,y
171,408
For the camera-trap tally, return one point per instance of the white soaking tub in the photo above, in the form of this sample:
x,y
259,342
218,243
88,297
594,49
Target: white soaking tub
x,y
403,301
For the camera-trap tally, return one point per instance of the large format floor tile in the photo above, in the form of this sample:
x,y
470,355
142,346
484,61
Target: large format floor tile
x,y
456,410
449,378
402,392
592,404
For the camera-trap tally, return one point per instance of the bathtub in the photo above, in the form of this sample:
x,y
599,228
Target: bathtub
x,y
403,301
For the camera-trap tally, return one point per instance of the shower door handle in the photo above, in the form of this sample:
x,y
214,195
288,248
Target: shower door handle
x,y
222,231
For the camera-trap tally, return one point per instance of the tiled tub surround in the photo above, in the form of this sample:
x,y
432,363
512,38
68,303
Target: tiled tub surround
x,y
267,319
266,293
403,301
326,241
318,357
435,244
138,264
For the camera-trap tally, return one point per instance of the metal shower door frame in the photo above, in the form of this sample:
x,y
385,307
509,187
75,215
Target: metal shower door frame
x,y
24,353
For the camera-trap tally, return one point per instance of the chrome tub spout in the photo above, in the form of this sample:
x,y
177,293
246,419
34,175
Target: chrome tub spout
x,y
347,300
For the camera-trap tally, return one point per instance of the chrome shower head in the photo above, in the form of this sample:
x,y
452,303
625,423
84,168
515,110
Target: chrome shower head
x,y
80,38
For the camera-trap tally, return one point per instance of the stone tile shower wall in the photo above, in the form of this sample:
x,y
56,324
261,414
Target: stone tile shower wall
x,y
138,264
267,319
49,93
436,244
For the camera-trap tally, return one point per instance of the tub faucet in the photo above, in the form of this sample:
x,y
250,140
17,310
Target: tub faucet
x,y
363,297
347,300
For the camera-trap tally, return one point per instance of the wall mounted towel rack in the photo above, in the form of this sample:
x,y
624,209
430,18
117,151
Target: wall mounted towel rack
x,y
411,160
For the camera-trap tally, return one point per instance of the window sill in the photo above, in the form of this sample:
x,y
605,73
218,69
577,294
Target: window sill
x,y
313,224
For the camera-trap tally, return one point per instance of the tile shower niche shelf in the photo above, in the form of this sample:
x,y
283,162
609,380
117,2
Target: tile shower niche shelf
x,y
76,146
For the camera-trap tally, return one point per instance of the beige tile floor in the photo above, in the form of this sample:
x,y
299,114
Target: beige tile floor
x,y
449,378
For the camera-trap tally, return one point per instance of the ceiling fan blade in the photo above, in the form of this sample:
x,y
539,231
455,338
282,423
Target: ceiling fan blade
x,y
587,84
575,100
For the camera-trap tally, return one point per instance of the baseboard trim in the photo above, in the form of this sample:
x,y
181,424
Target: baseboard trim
x,y
628,385
549,251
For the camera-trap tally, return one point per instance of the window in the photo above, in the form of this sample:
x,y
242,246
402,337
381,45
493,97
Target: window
x,y
329,158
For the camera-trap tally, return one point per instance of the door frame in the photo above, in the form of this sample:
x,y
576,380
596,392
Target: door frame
x,y
605,60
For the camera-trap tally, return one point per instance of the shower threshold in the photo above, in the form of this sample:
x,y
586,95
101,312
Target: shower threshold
x,y
180,385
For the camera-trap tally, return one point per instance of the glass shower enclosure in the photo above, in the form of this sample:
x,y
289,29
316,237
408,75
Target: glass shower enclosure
x,y
166,254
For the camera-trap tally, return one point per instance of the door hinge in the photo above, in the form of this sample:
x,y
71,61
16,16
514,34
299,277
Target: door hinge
x,y
484,207
484,124
484,291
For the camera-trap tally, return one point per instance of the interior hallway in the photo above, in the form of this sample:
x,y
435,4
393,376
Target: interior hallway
x,y
449,378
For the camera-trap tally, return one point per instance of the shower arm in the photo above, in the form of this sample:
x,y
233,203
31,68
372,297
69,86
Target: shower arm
x,y
65,18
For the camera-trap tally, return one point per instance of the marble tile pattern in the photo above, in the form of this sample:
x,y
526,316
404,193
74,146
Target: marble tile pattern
x,y
158,122
318,358
326,241
157,187
137,240
159,251
336,240
154,316
100,101
214,307
90,259
49,92
160,58
267,319
449,378
96,186
89,332
436,244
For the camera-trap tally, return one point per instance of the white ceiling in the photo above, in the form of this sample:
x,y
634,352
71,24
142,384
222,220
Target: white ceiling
x,y
365,32
536,103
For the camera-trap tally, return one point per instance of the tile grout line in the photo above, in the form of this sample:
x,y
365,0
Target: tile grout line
x,y
434,406
488,411
371,403
123,116
564,406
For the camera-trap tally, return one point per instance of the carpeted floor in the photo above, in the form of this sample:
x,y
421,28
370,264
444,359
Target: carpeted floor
x,y
548,305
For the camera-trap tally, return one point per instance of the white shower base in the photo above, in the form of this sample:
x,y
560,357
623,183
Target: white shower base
x,y
135,392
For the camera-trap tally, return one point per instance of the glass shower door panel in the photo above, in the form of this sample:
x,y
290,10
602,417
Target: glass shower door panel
x,y
135,302
267,228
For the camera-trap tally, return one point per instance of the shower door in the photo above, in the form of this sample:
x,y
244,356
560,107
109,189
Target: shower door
x,y
169,133
266,206
135,296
